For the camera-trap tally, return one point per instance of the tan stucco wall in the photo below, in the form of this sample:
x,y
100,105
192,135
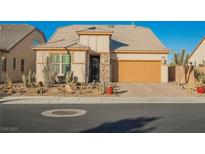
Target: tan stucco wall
x,y
22,51
98,43
39,73
164,68
79,71
41,57
79,57
199,55
40,63
78,64
164,73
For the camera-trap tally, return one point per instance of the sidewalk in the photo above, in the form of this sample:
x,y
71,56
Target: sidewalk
x,y
98,100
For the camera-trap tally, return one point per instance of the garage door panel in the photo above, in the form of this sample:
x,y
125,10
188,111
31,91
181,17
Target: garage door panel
x,y
137,71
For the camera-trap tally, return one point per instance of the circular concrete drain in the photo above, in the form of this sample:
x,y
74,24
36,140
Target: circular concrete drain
x,y
64,113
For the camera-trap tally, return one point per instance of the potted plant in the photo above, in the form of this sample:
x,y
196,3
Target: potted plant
x,y
109,89
200,88
200,78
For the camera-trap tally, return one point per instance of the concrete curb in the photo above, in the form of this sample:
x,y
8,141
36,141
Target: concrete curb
x,y
98,100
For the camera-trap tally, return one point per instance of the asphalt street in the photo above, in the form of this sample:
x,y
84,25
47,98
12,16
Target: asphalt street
x,y
105,118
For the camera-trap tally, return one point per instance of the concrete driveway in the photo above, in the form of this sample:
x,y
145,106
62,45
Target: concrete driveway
x,y
151,90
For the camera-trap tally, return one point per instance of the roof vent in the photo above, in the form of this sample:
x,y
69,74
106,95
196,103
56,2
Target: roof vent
x,y
92,28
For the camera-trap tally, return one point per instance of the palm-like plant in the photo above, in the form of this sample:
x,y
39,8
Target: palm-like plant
x,y
181,58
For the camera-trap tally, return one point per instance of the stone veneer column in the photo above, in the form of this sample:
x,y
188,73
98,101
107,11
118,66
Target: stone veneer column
x,y
105,67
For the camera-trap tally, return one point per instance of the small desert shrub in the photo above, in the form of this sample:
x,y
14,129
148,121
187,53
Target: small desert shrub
x,y
200,76
28,80
8,83
69,78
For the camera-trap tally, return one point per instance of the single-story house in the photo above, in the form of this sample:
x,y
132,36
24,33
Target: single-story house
x,y
1,53
117,53
17,56
198,55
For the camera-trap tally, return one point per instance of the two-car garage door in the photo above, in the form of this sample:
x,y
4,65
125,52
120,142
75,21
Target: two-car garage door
x,y
136,71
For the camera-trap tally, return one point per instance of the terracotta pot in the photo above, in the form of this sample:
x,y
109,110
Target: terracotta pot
x,y
200,90
109,90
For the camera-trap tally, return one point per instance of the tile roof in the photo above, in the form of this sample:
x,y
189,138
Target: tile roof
x,y
94,29
61,44
11,34
124,37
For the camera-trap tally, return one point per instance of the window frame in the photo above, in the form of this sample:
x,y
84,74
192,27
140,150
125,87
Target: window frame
x,y
4,64
60,63
22,65
14,63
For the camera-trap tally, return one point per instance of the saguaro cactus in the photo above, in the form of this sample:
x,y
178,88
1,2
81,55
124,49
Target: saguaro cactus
x,y
48,74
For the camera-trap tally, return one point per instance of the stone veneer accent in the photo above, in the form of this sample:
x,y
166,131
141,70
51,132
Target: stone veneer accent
x,y
105,67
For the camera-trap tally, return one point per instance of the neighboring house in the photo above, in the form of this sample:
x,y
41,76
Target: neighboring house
x,y
105,53
198,55
1,53
17,56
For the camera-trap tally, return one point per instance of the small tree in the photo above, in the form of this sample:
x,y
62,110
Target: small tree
x,y
48,74
181,58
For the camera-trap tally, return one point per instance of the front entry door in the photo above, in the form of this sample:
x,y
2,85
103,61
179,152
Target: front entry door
x,y
95,68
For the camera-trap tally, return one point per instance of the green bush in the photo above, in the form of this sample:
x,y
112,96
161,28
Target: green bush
x,y
200,76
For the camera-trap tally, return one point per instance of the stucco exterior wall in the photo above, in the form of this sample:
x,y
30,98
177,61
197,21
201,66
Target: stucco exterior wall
x,y
39,73
98,43
199,55
41,57
40,63
24,51
79,57
78,64
79,71
164,73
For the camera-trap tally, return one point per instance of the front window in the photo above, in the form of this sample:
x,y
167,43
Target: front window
x,y
60,63
14,63
22,65
4,64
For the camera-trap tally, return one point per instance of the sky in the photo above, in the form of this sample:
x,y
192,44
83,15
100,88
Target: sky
x,y
175,35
